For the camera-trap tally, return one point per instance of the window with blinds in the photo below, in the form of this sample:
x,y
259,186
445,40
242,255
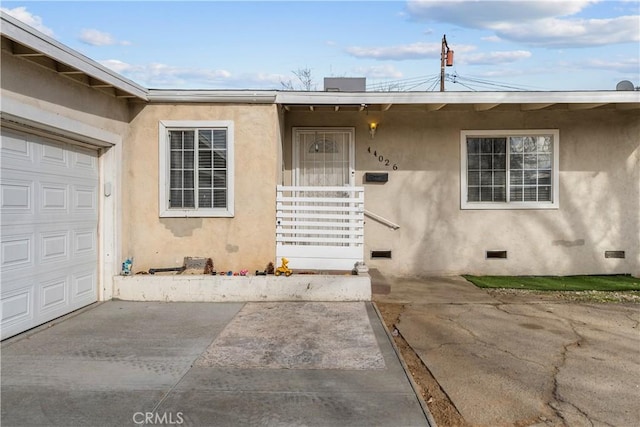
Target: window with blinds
x,y
198,163
515,168
198,175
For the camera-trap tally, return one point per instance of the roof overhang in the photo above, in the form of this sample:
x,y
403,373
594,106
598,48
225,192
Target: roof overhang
x,y
22,41
477,101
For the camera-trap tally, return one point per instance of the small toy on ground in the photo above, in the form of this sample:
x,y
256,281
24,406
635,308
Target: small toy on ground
x,y
208,267
283,269
126,267
244,272
270,268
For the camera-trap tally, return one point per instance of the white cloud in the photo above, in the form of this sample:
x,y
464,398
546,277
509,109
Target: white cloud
x,y
379,72
629,65
492,39
417,50
157,75
553,32
22,14
494,58
120,67
98,38
481,13
545,23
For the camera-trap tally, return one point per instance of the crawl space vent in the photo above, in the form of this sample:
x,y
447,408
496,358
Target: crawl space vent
x,y
614,254
381,254
496,254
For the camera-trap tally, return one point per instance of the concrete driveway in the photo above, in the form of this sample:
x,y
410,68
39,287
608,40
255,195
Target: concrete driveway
x,y
518,361
209,364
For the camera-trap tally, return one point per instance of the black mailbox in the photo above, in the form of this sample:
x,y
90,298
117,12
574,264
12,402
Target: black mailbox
x,y
376,177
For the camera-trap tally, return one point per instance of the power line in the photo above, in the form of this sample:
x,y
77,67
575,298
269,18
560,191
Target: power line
x,y
429,83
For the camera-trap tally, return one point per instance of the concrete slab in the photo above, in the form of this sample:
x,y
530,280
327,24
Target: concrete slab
x,y
524,362
126,363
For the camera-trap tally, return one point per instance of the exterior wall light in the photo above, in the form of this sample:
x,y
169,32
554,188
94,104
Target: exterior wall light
x,y
372,129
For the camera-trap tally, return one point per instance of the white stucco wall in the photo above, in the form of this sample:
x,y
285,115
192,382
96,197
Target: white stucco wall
x,y
246,241
599,193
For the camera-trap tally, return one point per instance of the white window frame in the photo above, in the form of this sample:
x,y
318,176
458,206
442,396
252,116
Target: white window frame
x,y
553,204
164,176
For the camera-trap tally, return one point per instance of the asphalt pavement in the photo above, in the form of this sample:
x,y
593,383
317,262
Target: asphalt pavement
x,y
524,360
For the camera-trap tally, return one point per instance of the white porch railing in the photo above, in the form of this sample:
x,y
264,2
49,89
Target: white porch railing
x,y
320,228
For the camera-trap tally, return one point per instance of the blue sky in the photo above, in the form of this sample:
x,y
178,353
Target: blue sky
x,y
498,45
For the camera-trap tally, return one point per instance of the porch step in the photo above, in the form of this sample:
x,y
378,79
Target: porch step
x,y
379,284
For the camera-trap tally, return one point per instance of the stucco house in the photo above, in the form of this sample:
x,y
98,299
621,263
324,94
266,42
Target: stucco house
x,y
97,169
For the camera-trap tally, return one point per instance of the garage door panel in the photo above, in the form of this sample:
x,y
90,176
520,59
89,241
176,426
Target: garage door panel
x,y
15,147
54,197
83,159
17,307
85,199
54,294
84,243
48,240
53,155
55,246
16,196
83,288
16,251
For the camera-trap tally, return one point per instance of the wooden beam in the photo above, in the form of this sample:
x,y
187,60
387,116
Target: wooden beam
x,y
484,107
578,107
336,108
311,108
533,107
65,69
23,51
434,107
97,83
385,107
625,107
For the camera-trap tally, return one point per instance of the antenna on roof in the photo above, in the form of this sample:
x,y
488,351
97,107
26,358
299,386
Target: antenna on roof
x,y
446,57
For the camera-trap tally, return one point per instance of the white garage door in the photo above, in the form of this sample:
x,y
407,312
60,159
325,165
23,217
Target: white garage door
x,y
48,230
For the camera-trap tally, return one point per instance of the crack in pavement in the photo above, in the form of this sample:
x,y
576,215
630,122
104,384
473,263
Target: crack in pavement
x,y
496,347
556,405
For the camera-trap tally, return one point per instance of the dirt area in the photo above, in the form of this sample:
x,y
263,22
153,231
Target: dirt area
x,y
439,404
442,409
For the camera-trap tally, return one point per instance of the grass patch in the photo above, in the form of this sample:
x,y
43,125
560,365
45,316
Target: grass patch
x,y
558,283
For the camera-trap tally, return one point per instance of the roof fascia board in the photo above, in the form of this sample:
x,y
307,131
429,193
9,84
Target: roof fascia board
x,y
212,96
351,98
24,34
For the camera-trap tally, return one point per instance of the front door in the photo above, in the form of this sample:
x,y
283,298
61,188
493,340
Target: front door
x,y
323,157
